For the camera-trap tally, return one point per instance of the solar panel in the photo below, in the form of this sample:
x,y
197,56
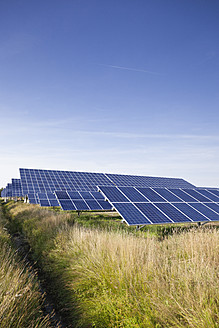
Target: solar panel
x,y
54,202
168,195
190,212
209,195
33,198
205,210
44,202
16,188
213,206
161,205
97,195
105,205
133,194
172,212
80,205
182,195
67,205
130,213
197,195
153,213
8,190
94,205
151,195
114,194
74,195
215,192
86,195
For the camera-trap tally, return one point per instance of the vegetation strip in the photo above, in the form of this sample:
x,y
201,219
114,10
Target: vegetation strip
x,y
20,297
114,277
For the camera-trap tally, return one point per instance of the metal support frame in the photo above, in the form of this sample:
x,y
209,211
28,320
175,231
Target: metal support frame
x,y
201,224
138,227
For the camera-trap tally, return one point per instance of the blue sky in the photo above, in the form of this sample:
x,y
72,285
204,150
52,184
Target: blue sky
x,y
116,86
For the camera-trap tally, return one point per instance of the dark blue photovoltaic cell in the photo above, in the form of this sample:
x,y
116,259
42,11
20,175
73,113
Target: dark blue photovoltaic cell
x,y
86,195
31,195
168,195
97,195
152,213
93,204
206,193
172,212
42,195
206,211
130,213
133,194
213,206
67,205
44,202
198,196
54,202
151,195
61,194
32,201
74,195
113,194
190,211
181,194
80,205
50,195
215,192
105,205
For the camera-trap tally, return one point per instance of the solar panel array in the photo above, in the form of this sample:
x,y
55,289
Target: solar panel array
x,y
138,199
7,192
12,189
141,206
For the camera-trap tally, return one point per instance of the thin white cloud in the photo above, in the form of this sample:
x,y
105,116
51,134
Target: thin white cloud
x,y
142,136
130,69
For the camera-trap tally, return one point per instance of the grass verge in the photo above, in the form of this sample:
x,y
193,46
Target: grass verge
x,y
20,298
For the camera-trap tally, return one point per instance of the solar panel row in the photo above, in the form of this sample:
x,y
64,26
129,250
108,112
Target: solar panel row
x,y
12,189
33,180
140,206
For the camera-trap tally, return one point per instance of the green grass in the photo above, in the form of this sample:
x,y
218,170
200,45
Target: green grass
x,y
20,298
105,274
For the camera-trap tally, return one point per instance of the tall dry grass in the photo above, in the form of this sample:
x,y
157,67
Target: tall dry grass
x,y
20,298
124,281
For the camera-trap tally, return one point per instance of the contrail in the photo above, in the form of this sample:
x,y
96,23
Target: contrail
x,y
130,69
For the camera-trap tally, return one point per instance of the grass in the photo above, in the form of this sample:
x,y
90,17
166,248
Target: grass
x,y
20,298
104,274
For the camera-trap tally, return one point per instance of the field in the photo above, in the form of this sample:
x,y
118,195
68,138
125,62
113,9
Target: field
x,y
101,273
